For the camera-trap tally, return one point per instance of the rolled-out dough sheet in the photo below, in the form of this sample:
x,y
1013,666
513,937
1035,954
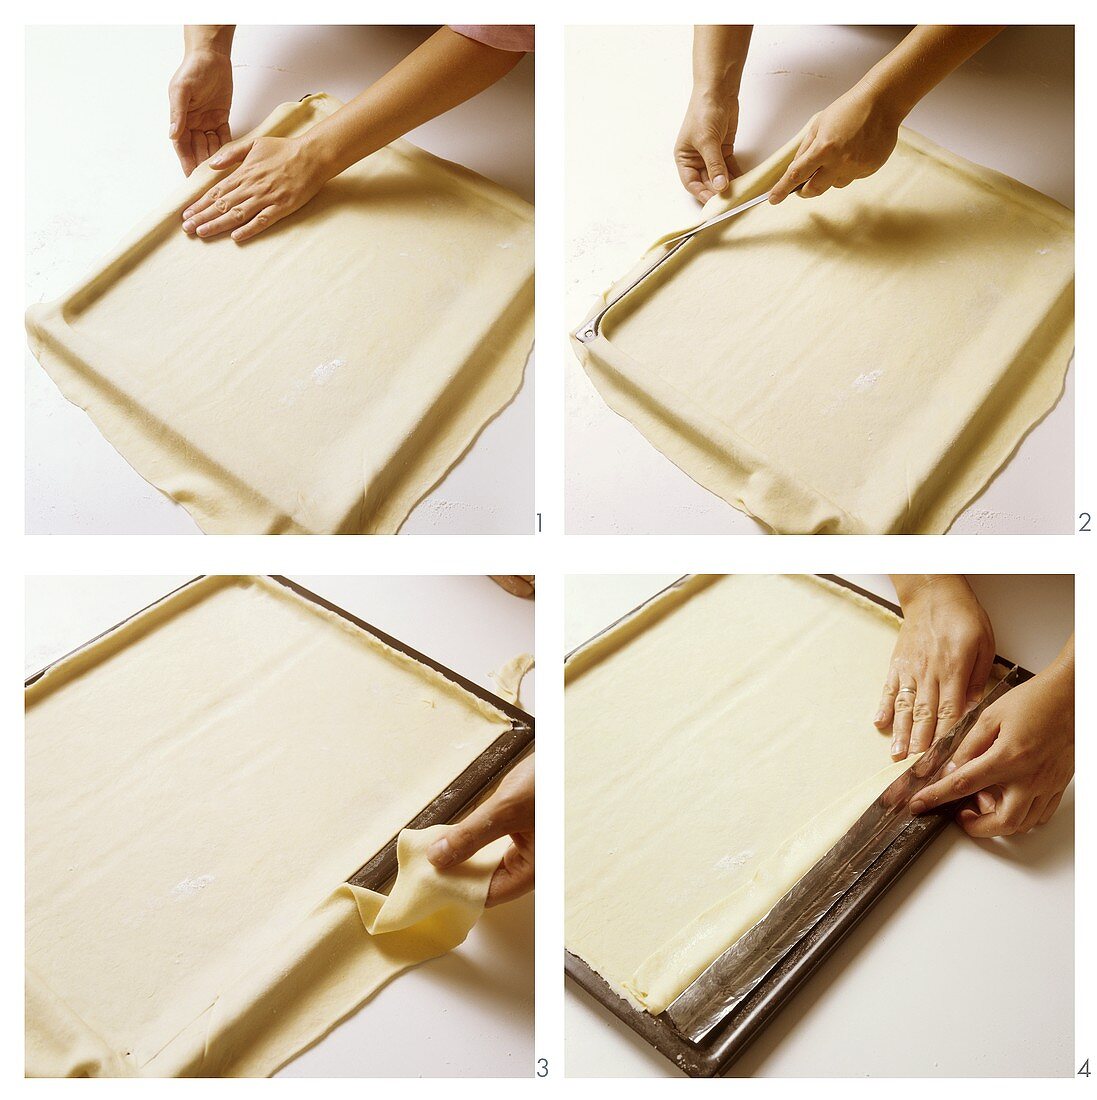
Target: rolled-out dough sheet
x,y
200,784
717,744
861,362
323,377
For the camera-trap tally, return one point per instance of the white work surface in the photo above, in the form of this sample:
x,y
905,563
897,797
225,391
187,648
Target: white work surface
x,y
469,1013
1010,108
98,160
964,969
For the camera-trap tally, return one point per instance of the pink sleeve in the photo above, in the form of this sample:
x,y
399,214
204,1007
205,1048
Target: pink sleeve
x,y
518,39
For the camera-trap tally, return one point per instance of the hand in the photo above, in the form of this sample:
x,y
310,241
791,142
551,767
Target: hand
x,y
200,95
704,149
940,663
271,178
851,139
1016,761
508,809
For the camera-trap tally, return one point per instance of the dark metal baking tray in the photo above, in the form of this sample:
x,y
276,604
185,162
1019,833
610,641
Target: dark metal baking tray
x,y
717,1054
462,792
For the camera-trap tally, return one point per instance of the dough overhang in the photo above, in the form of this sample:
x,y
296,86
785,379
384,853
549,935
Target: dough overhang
x,y
323,377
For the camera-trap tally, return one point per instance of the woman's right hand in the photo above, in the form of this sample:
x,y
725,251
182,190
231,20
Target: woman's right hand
x,y
940,664
705,149
200,95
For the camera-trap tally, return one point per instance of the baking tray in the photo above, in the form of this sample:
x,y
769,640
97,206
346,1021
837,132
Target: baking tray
x,y
726,1042
461,793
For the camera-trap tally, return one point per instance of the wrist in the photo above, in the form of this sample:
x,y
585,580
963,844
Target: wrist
x,y
209,39
715,92
321,153
916,588
885,104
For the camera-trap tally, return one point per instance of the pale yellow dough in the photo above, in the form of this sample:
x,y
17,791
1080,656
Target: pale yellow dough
x,y
861,362
716,746
199,785
323,377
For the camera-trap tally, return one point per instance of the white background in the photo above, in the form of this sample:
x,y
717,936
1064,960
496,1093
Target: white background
x,y
469,1013
549,555
1010,108
972,923
98,159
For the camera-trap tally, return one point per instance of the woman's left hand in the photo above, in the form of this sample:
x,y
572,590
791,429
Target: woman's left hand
x,y
270,178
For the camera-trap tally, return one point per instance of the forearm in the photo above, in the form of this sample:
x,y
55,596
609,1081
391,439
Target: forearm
x,y
218,39
444,71
919,63
719,54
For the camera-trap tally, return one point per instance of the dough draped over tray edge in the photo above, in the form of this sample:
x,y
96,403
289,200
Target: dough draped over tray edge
x,y
757,484
216,499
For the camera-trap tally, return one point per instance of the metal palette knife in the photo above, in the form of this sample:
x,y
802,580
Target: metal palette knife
x,y
721,988
589,330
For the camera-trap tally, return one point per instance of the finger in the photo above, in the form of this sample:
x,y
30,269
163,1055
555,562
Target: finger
x,y
201,146
924,715
184,150
733,166
904,718
221,203
238,214
959,783
465,838
218,192
1051,807
513,877
263,220
691,180
178,98
231,155
715,167
798,171
821,181
980,674
1005,821
885,712
986,800
951,705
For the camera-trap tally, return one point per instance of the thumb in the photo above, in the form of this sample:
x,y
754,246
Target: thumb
x,y
978,740
714,164
229,156
467,837
177,106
